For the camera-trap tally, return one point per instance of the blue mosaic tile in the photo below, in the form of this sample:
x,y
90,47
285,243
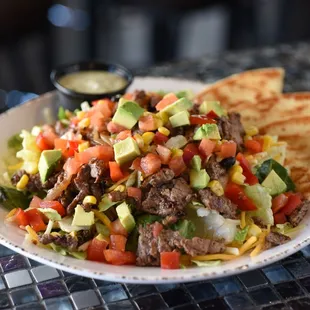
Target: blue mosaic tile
x,y
4,301
202,291
213,304
124,305
17,278
23,296
113,292
5,251
2,284
13,262
300,304
166,287
44,273
176,297
85,299
77,283
34,263
62,303
138,290
35,306
52,289
306,251
100,283
300,268
277,274
227,286
263,296
187,307
279,306
252,278
289,289
151,302
294,256
305,282
239,302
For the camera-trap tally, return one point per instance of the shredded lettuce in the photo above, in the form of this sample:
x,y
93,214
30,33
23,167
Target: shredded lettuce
x,y
241,234
262,200
102,229
147,219
211,263
187,93
186,228
63,251
11,198
15,143
106,203
288,228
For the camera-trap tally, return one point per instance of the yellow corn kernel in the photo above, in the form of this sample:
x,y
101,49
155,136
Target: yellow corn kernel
x,y
176,152
238,178
251,131
164,131
242,220
268,141
139,140
234,169
148,137
159,122
80,115
22,183
216,187
90,199
247,137
120,188
254,230
83,146
163,116
84,123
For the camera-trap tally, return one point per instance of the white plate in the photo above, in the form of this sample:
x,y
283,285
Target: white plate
x,y
31,113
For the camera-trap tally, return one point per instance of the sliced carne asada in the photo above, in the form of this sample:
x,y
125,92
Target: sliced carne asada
x,y
97,169
216,171
161,177
231,128
150,247
219,203
298,214
274,239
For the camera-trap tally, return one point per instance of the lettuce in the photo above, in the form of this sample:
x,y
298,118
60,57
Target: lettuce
x,y
186,228
287,228
15,143
262,200
211,263
241,234
11,198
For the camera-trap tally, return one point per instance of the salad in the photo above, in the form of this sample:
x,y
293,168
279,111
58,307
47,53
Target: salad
x,y
151,179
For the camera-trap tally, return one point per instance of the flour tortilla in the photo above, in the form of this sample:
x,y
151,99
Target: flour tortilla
x,y
245,88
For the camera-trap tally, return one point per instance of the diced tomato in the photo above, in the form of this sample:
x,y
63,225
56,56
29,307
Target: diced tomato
x,y
67,147
104,107
123,135
98,121
136,164
206,147
236,194
150,164
177,165
18,217
116,257
95,250
72,166
167,100
164,154
35,220
103,152
201,120
253,146
278,203
118,229
147,123
157,228
55,205
159,138
118,242
116,173
279,218
170,260
293,202
115,128
250,178
35,202
74,121
49,135
134,192
42,143
189,152
212,114
128,96
228,149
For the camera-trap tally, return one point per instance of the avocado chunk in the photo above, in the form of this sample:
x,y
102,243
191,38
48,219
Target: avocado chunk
x,y
106,203
208,106
126,150
50,213
82,218
196,162
209,131
199,179
127,114
179,119
180,105
66,225
47,163
125,216
274,183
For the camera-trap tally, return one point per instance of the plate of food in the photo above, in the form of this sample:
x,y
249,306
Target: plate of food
x,y
174,181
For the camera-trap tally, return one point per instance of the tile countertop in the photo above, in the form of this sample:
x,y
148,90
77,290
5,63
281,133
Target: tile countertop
x,y
25,284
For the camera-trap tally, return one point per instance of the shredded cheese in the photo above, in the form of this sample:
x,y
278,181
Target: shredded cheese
x,y
242,220
34,236
247,245
214,257
259,244
110,189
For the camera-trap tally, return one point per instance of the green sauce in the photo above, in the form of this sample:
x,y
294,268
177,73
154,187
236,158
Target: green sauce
x,y
92,82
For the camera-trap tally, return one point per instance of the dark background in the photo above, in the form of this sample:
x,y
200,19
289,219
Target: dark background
x,y
38,35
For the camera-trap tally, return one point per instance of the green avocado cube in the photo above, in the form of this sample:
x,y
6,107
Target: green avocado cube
x,y
47,163
126,150
274,183
127,114
83,218
209,131
199,179
50,213
125,216
196,162
208,106
179,119
180,105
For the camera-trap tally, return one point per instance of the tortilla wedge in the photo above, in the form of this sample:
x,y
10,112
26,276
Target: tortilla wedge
x,y
244,88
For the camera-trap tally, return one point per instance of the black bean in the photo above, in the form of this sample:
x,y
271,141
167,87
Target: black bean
x,y
228,162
